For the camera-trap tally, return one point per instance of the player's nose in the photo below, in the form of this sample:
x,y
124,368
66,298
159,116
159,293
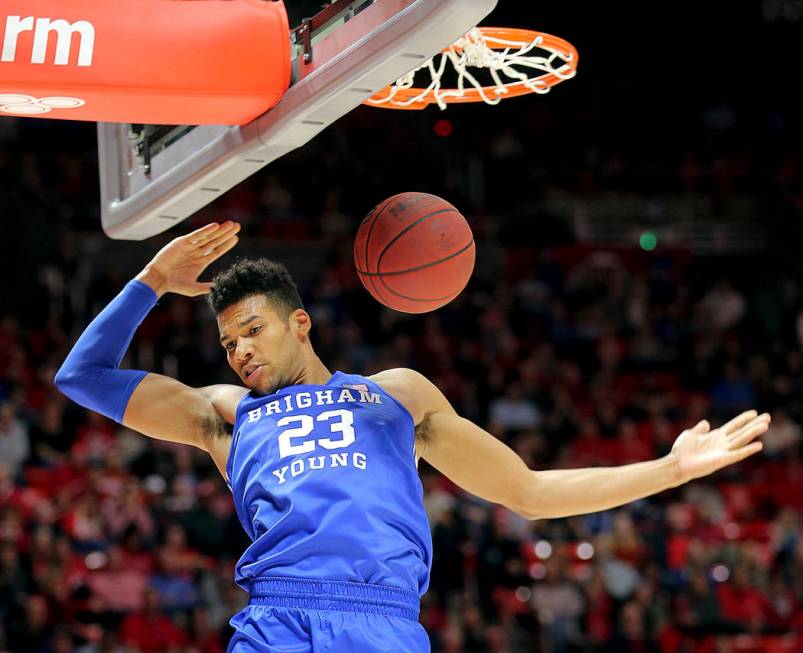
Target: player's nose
x,y
243,352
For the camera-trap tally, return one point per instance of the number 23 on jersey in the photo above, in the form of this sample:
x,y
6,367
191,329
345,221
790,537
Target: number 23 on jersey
x,y
293,441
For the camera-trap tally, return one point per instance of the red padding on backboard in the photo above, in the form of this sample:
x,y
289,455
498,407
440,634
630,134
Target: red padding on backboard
x,y
162,62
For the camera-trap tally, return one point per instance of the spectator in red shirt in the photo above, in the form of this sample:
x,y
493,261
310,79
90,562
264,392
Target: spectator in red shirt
x,y
743,603
600,608
631,447
117,585
94,437
149,631
628,545
127,509
84,523
205,638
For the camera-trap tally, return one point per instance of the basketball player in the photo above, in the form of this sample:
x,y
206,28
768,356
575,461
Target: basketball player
x,y
322,465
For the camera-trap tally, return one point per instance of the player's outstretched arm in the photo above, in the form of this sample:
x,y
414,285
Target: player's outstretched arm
x,y
479,463
152,404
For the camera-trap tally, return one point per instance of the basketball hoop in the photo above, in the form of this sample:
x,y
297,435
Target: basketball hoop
x,y
502,52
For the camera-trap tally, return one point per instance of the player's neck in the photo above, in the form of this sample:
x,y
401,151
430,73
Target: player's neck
x,y
314,372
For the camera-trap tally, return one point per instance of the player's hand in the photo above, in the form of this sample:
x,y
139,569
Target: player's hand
x,y
699,451
178,264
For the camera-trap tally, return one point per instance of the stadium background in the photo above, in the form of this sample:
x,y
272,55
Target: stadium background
x,y
575,343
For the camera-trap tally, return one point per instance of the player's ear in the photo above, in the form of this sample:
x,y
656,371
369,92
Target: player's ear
x,y
300,322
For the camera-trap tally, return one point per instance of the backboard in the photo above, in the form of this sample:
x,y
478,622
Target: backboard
x,y
154,177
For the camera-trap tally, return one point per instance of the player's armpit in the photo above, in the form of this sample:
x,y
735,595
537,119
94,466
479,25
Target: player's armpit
x,y
166,409
225,399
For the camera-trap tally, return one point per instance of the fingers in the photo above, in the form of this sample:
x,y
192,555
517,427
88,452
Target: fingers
x,y
199,235
744,452
749,432
219,237
207,237
223,247
739,421
202,288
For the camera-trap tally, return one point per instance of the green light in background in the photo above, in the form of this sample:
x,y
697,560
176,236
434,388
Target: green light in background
x,y
648,241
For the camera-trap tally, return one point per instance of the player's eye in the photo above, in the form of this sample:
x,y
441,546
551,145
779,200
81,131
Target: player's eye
x,y
230,346
255,330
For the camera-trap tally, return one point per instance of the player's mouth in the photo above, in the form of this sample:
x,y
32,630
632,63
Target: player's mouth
x,y
252,372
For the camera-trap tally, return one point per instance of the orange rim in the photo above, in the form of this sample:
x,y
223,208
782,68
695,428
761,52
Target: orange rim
x,y
499,38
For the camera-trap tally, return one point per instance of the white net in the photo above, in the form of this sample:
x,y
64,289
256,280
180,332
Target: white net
x,y
515,66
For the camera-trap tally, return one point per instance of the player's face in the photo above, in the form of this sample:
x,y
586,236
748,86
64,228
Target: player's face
x,y
260,345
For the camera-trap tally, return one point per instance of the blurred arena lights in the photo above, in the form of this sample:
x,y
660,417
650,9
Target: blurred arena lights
x,y
543,549
538,570
95,560
648,241
524,594
585,550
443,128
720,573
155,484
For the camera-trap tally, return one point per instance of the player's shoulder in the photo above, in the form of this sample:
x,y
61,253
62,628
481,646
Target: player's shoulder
x,y
403,376
415,391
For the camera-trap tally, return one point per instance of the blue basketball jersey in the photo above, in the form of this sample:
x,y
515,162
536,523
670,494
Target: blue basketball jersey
x,y
325,484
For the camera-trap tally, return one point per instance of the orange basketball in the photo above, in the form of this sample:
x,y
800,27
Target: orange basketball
x,y
414,252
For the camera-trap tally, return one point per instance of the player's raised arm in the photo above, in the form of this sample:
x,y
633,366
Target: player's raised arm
x,y
152,404
479,463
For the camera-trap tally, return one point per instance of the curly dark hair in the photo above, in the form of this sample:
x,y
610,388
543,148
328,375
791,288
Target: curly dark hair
x,y
258,276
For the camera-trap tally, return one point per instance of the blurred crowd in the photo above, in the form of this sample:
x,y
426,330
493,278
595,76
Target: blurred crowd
x,y
574,354
112,542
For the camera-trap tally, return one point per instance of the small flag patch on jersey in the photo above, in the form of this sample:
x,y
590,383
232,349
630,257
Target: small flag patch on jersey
x,y
359,387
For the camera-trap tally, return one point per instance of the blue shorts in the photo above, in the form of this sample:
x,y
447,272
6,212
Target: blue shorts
x,y
293,615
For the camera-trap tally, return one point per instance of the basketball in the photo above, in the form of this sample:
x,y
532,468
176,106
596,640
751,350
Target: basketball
x,y
414,252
